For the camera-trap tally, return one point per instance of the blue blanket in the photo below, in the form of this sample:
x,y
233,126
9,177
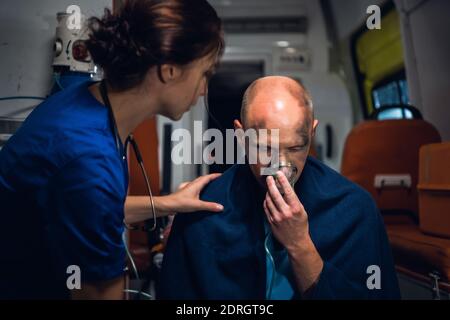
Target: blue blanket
x,y
222,256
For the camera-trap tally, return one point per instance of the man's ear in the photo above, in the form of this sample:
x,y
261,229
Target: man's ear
x,y
315,124
170,72
240,137
237,124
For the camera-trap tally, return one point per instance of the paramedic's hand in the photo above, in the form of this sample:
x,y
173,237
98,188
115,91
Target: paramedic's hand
x,y
289,223
187,197
287,217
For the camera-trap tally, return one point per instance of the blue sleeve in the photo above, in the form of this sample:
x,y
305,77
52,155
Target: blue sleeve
x,y
348,276
87,210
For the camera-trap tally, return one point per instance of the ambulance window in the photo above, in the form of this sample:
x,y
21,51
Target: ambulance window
x,y
391,92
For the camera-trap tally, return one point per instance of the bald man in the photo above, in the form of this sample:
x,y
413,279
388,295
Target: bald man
x,y
323,238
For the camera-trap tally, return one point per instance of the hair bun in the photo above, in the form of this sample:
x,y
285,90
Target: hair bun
x,y
146,33
111,43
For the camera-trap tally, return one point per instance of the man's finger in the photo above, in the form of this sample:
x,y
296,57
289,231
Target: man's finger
x,y
275,194
275,215
289,193
266,210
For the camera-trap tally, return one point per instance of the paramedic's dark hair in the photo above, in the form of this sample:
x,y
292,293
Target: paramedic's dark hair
x,y
148,33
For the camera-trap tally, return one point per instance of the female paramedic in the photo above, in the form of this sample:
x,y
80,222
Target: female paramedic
x,y
63,175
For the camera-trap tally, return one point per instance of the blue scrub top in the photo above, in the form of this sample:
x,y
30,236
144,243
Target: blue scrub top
x,y
63,185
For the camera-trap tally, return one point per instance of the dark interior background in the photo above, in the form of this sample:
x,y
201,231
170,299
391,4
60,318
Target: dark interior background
x,y
226,89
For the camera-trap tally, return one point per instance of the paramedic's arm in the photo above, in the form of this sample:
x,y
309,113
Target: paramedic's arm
x,y
289,223
103,290
186,199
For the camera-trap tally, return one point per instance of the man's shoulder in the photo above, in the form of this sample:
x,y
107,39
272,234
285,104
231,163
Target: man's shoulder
x,y
328,183
231,190
328,178
218,188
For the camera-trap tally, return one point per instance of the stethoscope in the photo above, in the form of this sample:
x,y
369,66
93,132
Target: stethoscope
x,y
130,139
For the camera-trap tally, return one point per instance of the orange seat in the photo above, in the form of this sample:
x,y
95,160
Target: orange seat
x,y
420,252
384,151
434,189
422,249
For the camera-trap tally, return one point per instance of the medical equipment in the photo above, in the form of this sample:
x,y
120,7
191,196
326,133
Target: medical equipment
x,y
69,48
272,262
130,139
72,62
134,145
289,170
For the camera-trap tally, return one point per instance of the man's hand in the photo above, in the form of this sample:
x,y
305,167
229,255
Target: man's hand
x,y
289,223
287,217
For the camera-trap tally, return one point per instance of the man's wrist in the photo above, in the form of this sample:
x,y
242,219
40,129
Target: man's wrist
x,y
307,264
305,252
304,246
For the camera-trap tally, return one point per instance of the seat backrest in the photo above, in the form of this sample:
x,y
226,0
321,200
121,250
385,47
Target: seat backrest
x,y
385,152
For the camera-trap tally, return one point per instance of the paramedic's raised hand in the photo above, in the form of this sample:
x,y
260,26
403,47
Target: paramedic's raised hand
x,y
289,223
187,197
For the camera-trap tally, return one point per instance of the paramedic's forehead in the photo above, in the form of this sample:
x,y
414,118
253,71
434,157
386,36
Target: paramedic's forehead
x,y
277,103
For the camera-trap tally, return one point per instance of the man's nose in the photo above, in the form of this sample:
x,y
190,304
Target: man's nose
x,y
277,160
283,157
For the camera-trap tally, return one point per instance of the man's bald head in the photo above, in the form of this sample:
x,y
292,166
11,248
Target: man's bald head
x,y
282,107
273,89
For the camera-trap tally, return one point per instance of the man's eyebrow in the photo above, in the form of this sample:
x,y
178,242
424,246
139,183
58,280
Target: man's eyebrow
x,y
303,132
305,140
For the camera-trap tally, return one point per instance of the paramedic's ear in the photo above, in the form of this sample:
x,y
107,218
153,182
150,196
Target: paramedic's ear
x,y
170,72
315,124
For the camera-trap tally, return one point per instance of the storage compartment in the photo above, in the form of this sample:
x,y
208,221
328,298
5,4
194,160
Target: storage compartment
x,y
434,189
